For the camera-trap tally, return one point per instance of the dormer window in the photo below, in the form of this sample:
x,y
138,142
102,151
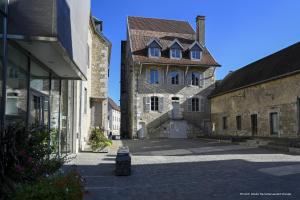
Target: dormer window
x,y
175,53
195,51
195,54
154,48
154,52
175,50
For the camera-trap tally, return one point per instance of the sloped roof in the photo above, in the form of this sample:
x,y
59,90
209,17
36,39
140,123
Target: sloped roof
x,y
113,104
165,32
274,66
160,25
140,52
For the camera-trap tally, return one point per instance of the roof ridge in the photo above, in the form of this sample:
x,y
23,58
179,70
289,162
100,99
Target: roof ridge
x,y
159,19
270,67
266,57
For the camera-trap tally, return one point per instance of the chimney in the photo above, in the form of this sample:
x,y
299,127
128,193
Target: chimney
x,y
200,33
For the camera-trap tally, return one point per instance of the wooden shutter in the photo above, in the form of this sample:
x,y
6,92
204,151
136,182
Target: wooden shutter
x,y
181,78
201,81
189,79
147,104
169,79
160,104
147,75
189,104
202,105
160,76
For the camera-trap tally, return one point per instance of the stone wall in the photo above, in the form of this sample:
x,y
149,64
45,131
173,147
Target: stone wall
x,y
99,80
157,123
279,96
100,59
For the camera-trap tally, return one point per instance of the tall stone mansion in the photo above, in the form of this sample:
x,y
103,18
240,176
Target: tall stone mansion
x,y
167,72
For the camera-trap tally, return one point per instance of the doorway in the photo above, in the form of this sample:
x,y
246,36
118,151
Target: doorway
x,y
274,123
175,110
254,124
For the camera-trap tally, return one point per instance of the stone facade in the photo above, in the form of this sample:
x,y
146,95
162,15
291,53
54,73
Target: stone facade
x,y
94,90
279,96
99,78
172,116
159,123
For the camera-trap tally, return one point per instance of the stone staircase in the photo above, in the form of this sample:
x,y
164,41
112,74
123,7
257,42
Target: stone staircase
x,y
254,143
163,130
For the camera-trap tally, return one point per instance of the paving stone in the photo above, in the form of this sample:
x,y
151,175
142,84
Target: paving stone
x,y
209,171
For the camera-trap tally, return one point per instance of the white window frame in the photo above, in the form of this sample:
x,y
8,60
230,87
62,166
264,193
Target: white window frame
x,y
154,48
192,54
157,73
154,103
176,50
177,82
199,104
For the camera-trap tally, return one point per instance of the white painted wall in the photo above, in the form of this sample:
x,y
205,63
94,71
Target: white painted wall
x,y
114,121
85,102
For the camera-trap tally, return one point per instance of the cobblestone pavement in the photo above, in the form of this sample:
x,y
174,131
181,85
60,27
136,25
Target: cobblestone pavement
x,y
192,169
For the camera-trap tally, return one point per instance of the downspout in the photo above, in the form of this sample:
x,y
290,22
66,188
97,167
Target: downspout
x,y
80,110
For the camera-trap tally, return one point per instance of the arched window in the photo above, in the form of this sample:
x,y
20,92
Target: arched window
x,y
174,77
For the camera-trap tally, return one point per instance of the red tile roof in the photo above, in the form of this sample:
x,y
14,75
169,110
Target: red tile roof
x,y
142,30
160,25
279,64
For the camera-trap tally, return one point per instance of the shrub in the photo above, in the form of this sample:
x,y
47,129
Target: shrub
x,y
69,187
27,157
98,140
33,156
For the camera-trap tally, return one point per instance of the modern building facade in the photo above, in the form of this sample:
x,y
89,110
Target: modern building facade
x,y
114,118
261,99
45,64
166,74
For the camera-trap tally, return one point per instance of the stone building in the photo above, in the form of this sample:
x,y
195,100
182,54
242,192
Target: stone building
x,y
114,117
94,90
166,74
261,99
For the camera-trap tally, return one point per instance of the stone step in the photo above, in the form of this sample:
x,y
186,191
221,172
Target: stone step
x,y
247,144
276,147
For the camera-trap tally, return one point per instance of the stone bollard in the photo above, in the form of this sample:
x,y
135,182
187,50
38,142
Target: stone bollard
x,y
123,162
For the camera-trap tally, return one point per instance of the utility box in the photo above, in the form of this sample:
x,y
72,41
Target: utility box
x,y
123,162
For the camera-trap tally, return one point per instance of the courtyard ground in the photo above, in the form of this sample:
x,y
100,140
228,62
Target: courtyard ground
x,y
191,169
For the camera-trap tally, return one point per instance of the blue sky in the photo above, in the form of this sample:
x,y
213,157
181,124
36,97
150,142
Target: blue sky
x,y
238,32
